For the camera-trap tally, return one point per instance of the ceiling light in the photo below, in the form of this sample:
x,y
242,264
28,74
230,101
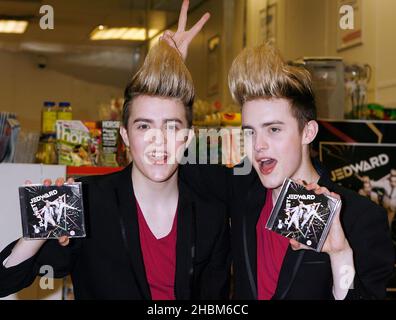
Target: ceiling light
x,y
136,34
13,26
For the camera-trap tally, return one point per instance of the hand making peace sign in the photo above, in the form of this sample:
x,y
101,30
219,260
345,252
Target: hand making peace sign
x,y
181,39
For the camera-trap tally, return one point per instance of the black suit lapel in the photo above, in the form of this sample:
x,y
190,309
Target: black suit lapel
x,y
292,261
185,244
291,264
255,201
130,230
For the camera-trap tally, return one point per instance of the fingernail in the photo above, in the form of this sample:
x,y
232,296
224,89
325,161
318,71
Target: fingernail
x,y
305,183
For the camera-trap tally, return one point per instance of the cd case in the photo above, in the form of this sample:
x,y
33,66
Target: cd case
x,y
49,212
302,214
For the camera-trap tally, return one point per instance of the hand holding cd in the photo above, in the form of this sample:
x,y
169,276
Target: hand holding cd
x,y
63,240
336,241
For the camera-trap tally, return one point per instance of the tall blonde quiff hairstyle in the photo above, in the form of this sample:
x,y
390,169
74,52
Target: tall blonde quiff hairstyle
x,y
163,74
261,73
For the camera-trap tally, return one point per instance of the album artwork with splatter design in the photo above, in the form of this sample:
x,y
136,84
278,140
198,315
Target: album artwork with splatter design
x,y
302,214
49,212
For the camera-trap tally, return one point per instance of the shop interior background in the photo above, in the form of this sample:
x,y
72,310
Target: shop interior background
x,y
64,64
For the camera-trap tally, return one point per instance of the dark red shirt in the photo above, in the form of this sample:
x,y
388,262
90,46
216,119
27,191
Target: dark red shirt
x,y
159,256
271,250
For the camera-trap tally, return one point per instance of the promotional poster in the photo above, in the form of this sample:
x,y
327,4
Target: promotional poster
x,y
361,155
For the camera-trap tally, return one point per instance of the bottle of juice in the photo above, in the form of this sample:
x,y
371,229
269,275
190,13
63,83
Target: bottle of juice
x,y
65,111
48,117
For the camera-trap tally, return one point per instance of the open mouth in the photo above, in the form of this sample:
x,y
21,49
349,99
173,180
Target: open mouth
x,y
157,157
267,165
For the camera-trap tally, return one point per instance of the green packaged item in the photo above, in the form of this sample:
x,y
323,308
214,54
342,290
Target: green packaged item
x,y
393,114
73,140
389,114
375,111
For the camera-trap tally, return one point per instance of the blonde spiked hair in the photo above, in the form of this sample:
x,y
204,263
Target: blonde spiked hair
x,y
163,74
261,73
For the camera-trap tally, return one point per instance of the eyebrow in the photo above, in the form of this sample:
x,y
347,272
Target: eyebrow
x,y
265,124
151,121
142,120
247,127
174,120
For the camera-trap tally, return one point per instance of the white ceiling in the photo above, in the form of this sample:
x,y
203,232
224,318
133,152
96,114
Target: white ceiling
x,y
68,49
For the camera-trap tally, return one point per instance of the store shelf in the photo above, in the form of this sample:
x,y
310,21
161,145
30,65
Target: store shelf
x,y
88,171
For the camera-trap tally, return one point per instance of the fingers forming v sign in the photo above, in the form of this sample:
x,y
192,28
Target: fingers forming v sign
x,y
181,39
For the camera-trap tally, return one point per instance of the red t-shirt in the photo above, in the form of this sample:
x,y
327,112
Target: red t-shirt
x,y
159,256
271,250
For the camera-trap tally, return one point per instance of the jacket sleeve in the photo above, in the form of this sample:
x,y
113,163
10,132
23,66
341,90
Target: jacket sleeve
x,y
51,254
216,276
373,254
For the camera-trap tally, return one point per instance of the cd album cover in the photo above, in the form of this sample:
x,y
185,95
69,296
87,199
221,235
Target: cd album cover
x,y
302,215
49,212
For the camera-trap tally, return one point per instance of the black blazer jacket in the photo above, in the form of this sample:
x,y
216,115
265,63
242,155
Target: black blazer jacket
x,y
108,264
304,274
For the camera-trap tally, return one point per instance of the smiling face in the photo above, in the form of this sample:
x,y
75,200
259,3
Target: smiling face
x,y
156,133
279,149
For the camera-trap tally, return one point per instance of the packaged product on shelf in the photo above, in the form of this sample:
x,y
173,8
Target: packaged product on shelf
x,y
46,151
65,111
375,111
94,144
123,158
389,114
110,142
212,120
9,131
48,117
73,141
231,119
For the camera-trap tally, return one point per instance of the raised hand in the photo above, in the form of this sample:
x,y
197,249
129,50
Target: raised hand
x,y
182,38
